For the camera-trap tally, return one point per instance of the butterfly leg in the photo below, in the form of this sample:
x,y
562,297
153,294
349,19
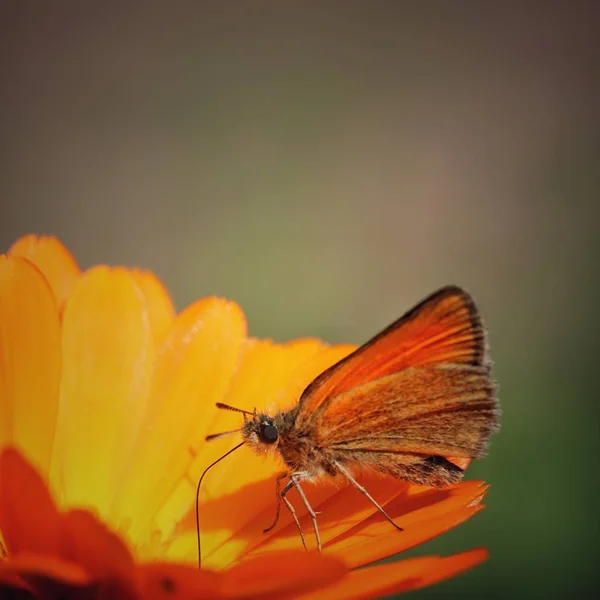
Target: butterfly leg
x,y
290,507
364,490
295,479
278,494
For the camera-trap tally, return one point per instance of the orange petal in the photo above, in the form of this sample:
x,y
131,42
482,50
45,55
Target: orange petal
x,y
340,508
10,579
382,545
424,515
29,519
395,577
450,566
166,581
89,543
353,530
280,575
47,578
27,566
53,260
193,371
29,359
108,356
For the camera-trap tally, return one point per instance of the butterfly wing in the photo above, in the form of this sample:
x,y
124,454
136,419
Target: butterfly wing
x,y
441,410
445,328
418,392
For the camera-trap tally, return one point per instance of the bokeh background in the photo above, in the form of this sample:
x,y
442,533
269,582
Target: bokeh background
x,y
327,165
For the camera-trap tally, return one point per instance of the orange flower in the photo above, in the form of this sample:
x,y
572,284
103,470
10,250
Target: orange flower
x,y
109,394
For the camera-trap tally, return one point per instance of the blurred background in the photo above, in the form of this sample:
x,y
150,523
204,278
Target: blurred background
x,y
327,165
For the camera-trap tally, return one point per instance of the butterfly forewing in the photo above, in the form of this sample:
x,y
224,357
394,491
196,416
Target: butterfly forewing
x,y
443,329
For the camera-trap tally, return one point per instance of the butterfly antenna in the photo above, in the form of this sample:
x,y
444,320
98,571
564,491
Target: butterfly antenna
x,y
214,436
198,496
233,408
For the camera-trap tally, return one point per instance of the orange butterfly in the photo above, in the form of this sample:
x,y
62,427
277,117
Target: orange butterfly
x,y
407,403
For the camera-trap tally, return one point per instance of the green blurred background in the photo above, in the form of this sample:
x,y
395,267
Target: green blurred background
x,y
327,165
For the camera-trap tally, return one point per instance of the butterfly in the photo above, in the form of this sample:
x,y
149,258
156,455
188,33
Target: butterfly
x,y
413,402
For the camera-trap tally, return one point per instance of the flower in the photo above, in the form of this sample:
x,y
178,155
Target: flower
x,y
106,396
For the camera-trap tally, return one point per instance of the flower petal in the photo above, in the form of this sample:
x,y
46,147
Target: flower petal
x,y
278,576
167,581
29,520
450,566
281,575
270,377
29,567
53,260
395,577
424,514
29,359
352,529
108,354
340,507
11,580
159,306
193,370
89,543
245,479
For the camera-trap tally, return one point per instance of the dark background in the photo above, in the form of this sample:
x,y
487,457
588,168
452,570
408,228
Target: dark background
x,y
328,164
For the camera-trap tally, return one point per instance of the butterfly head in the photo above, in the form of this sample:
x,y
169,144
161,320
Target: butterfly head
x,y
261,432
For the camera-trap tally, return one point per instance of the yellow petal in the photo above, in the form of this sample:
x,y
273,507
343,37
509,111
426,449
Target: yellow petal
x,y
270,377
277,378
245,479
159,306
29,360
107,362
53,260
193,371
262,373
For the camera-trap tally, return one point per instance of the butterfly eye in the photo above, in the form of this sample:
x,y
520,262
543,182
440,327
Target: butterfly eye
x,y
269,434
